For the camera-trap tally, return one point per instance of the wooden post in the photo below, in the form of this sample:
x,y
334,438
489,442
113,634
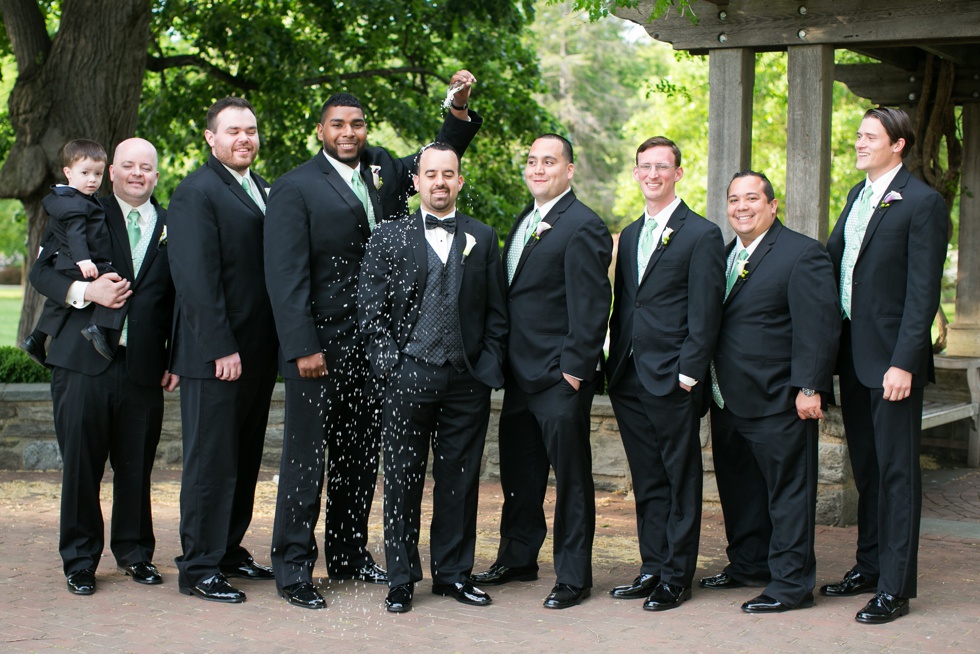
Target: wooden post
x,y
811,79
731,78
964,333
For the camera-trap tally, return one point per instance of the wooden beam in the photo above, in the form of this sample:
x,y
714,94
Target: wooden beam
x,y
841,23
811,83
731,79
890,86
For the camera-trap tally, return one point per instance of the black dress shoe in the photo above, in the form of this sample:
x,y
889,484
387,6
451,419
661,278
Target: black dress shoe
x,y
766,604
501,574
667,596
215,589
399,598
248,569
94,335
82,582
304,594
464,592
562,596
719,581
370,572
853,583
143,572
883,608
641,587
34,349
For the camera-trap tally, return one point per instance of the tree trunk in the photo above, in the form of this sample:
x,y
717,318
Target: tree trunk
x,y
83,83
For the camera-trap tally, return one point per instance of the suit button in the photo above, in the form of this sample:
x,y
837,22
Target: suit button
x,y
637,305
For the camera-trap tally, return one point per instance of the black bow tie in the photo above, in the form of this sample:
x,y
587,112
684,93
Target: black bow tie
x,y
448,224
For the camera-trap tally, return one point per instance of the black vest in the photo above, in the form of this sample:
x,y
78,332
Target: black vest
x,y
436,338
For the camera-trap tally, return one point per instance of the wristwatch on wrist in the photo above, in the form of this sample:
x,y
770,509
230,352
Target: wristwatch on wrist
x,y
452,103
809,392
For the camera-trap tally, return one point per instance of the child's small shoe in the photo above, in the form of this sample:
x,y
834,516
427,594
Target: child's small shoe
x,y
34,349
94,335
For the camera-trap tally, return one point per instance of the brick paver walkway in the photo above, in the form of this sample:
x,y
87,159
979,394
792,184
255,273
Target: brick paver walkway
x,y
38,614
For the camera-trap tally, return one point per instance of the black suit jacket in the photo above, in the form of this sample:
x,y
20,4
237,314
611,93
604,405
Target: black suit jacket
x,y
392,284
77,222
150,309
559,299
896,282
670,320
780,326
216,257
315,235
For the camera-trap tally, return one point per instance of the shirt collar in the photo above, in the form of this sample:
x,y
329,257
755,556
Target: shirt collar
x,y
664,214
238,176
751,246
547,206
880,185
345,171
145,210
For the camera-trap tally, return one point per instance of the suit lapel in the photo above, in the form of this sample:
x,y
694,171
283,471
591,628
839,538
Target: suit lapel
x,y
901,178
420,246
551,219
117,227
235,186
153,247
373,194
752,263
459,244
674,223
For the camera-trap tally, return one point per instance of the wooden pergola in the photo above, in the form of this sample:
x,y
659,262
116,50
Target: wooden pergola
x,y
928,54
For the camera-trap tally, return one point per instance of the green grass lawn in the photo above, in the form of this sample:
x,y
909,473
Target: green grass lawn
x,y
11,298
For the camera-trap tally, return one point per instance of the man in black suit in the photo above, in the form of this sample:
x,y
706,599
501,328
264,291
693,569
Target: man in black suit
x,y
669,287
224,350
432,311
316,231
557,261
113,409
888,248
773,370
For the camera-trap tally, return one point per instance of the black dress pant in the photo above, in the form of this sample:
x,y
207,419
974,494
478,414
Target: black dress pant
x,y
329,427
427,403
224,426
100,417
766,469
538,431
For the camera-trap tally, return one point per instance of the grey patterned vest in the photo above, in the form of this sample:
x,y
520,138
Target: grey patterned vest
x,y
436,338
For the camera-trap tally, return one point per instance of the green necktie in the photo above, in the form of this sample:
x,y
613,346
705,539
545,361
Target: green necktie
x,y
248,188
361,191
645,247
734,270
532,225
133,229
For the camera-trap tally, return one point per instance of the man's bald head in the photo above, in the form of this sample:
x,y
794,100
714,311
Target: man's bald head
x,y
133,171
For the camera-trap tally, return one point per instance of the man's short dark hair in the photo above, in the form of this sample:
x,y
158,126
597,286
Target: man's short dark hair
x,y
443,147
897,125
566,145
660,142
340,100
79,149
766,184
221,105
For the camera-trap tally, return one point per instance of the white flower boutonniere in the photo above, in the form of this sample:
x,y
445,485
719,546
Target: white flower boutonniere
x,y
540,230
470,242
665,237
163,238
892,196
743,269
376,175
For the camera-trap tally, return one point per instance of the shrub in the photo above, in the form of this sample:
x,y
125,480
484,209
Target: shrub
x,y
17,368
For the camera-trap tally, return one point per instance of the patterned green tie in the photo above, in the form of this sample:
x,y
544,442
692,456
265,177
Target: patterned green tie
x,y
133,229
523,235
734,271
645,248
531,226
361,191
854,229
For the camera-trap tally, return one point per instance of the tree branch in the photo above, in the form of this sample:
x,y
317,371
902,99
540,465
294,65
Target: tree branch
x,y
373,72
27,33
160,64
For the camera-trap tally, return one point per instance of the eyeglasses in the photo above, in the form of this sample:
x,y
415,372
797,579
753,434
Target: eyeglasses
x,y
660,167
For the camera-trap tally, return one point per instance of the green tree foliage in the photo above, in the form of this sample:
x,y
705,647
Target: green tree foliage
x,y
288,56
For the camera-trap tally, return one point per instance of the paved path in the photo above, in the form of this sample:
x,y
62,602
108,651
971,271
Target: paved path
x,y
38,614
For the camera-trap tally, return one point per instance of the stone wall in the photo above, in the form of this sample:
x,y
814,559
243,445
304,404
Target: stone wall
x,y
27,442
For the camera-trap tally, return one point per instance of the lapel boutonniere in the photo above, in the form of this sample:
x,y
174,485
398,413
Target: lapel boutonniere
x,y
665,237
163,237
540,230
743,269
892,196
470,242
376,176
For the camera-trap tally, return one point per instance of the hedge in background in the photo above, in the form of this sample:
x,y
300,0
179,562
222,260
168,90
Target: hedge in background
x,y
17,368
